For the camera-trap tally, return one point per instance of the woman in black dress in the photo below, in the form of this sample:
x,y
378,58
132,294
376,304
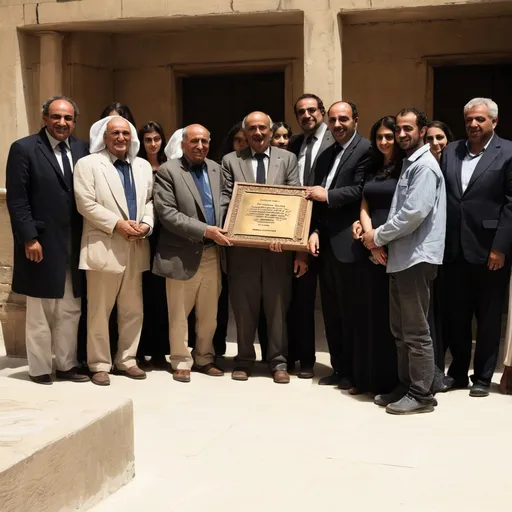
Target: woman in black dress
x,y
375,360
154,339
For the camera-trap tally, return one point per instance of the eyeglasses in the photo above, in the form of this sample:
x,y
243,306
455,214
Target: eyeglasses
x,y
310,111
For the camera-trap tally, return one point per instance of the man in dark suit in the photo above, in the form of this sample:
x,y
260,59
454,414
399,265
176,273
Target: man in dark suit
x,y
256,274
47,230
187,197
337,189
307,146
478,173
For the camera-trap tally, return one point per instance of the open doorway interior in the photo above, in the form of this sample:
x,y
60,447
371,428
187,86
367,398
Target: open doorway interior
x,y
219,101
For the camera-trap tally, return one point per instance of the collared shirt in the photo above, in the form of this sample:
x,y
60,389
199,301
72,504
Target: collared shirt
x,y
202,181
416,225
254,162
54,143
469,164
317,137
114,159
335,165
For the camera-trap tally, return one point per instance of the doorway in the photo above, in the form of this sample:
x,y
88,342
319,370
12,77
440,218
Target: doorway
x,y
454,86
219,101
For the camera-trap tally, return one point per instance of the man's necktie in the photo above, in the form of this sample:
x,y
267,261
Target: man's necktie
x,y
260,169
68,173
129,187
310,142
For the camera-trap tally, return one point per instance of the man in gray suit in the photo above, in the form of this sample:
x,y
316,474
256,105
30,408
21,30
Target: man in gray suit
x,y
256,274
187,195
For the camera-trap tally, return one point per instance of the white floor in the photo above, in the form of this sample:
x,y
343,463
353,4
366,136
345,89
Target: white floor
x,y
220,445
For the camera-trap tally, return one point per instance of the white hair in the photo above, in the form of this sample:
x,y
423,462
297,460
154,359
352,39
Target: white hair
x,y
245,119
492,106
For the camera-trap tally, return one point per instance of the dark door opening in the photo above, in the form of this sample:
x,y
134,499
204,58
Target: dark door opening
x,y
219,101
454,86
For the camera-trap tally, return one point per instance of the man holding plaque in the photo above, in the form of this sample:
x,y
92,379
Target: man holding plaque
x,y
255,274
337,191
187,195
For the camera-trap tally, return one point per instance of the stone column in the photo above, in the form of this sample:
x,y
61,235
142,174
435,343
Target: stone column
x,y
50,70
322,54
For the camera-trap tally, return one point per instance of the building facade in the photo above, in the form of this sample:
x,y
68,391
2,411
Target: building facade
x,y
211,61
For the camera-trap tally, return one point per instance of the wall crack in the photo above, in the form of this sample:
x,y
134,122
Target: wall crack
x,y
37,14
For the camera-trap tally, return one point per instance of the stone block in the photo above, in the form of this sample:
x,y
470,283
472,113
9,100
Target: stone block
x,y
57,454
30,14
255,5
198,7
144,8
11,16
12,321
89,10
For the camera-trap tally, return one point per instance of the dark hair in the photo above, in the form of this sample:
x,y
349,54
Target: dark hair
x,y
421,117
282,124
319,102
49,101
121,109
227,144
152,126
441,126
377,168
355,114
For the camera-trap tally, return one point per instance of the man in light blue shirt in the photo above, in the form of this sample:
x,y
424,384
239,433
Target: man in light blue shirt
x,y
414,234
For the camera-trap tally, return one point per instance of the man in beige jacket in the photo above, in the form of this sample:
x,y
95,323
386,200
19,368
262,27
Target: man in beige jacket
x,y
113,193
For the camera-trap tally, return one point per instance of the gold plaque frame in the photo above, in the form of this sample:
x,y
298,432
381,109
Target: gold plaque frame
x,y
299,221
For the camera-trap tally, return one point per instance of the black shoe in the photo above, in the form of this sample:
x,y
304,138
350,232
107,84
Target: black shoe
x,y
331,380
409,405
72,375
479,389
42,379
306,372
388,398
345,384
451,383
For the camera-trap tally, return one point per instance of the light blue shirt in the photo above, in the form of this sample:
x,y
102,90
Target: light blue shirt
x,y
469,164
416,225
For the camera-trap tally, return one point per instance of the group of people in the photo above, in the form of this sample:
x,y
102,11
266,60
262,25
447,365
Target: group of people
x,y
410,238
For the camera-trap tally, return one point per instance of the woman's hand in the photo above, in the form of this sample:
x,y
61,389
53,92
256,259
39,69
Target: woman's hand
x,y
380,254
357,230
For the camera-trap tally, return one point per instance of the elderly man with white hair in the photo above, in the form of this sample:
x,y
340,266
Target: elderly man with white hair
x,y
478,174
260,274
113,190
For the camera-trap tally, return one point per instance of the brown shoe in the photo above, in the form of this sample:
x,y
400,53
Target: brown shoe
x,y
72,375
210,369
240,375
42,379
134,372
181,375
281,377
100,379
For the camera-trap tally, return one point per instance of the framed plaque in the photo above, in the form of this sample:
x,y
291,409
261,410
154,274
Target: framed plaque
x,y
260,214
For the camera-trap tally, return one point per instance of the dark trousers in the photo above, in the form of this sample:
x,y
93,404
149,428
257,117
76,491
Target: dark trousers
x,y
469,290
409,302
301,317
343,309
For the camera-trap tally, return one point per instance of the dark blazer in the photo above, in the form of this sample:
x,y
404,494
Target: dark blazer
x,y
334,220
182,216
42,206
296,143
480,219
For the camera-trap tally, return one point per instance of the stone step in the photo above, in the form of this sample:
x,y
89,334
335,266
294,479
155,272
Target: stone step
x,y
59,452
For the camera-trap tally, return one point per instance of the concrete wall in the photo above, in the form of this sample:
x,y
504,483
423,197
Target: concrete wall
x,y
386,65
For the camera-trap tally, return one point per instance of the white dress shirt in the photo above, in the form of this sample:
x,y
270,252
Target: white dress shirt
x,y
54,143
332,171
318,137
266,161
469,164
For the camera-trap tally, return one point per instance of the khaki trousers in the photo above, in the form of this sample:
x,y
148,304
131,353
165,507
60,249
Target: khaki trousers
x,y
52,320
104,289
202,292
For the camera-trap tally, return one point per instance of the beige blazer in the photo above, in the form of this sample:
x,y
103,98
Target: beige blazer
x,y
101,200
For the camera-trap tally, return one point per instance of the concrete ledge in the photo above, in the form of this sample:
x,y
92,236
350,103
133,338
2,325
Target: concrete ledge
x,y
60,455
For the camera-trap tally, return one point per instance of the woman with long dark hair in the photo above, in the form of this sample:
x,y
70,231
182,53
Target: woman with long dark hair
x,y
154,339
438,136
281,135
118,109
375,360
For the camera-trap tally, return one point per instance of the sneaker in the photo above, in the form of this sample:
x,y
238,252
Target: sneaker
x,y
389,398
409,405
